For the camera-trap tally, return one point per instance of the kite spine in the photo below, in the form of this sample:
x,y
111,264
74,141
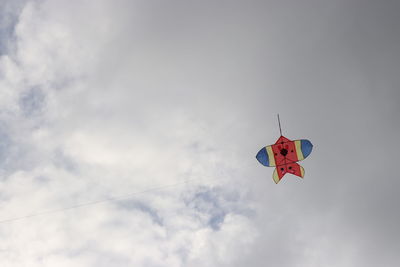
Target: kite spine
x,y
279,122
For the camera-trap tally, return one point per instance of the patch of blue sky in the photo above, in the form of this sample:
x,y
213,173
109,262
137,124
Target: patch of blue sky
x,y
5,146
32,102
61,160
143,207
9,14
216,203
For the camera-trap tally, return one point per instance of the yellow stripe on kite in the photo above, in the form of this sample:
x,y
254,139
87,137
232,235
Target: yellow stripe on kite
x,y
302,171
271,156
275,176
298,150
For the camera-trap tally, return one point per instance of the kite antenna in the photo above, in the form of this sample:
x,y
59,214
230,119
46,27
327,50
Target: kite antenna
x,y
279,121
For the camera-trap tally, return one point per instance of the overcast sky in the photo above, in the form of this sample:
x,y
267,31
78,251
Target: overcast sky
x,y
103,99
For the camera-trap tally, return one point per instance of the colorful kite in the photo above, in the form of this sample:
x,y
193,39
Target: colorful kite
x,y
283,155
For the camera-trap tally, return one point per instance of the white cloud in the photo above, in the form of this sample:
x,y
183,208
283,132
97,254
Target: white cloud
x,y
81,129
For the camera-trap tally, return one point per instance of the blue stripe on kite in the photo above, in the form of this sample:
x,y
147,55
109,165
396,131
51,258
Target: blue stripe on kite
x,y
262,157
306,147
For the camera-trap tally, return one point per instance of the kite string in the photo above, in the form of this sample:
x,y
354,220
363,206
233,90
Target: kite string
x,y
110,199
96,202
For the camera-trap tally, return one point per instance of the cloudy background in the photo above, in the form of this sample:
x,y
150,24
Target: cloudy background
x,y
166,103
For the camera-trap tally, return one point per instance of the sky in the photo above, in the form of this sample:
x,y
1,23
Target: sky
x,y
161,106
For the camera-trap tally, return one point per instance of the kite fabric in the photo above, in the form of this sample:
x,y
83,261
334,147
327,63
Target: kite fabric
x,y
283,155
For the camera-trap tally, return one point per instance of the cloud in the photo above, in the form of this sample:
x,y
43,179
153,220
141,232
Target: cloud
x,y
167,103
80,126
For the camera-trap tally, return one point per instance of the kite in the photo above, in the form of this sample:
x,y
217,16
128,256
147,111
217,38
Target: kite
x,y
284,154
